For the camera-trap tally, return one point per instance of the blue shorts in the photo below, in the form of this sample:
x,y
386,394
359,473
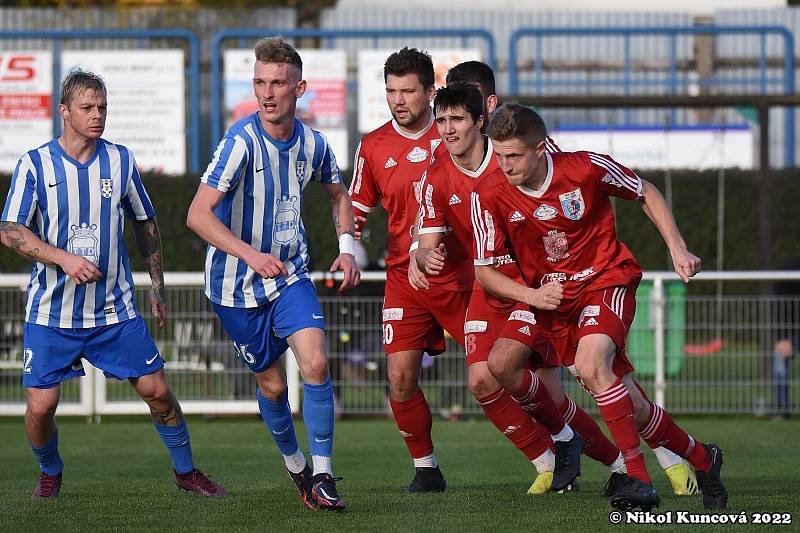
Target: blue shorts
x,y
259,333
52,355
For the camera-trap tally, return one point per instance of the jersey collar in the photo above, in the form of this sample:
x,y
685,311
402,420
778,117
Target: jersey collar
x,y
413,136
487,158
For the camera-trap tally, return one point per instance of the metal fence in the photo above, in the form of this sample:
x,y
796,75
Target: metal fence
x,y
695,352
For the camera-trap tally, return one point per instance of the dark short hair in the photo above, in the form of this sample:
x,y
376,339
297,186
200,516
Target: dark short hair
x,y
77,81
460,95
515,121
410,61
474,72
276,50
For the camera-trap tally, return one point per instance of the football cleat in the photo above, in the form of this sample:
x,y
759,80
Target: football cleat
x,y
47,487
634,494
614,483
572,487
715,495
568,462
427,479
542,484
323,490
302,481
681,477
197,482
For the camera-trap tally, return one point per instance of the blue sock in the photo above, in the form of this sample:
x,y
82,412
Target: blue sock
x,y
176,439
318,416
48,457
278,418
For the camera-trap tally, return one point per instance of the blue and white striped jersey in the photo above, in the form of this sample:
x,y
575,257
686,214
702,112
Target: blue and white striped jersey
x,y
263,181
79,207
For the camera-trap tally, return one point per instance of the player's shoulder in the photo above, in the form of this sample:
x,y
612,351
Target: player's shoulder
x,y
379,135
580,157
244,127
493,183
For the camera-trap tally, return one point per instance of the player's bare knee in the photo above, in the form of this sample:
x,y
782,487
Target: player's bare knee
x,y
315,369
482,384
404,389
40,410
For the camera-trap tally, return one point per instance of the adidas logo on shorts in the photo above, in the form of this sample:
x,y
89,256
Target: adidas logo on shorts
x,y
516,216
454,200
590,322
390,163
525,330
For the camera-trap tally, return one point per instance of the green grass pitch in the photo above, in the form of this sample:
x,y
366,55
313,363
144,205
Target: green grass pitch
x,y
117,477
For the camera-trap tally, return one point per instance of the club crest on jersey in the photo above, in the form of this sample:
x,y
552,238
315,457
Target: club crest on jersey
x,y
545,212
417,155
105,187
286,217
83,242
556,245
300,169
572,204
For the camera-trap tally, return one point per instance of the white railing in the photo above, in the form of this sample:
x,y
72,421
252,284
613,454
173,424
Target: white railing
x,y
696,353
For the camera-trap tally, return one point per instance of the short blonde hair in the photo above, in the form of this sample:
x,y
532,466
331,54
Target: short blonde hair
x,y
276,50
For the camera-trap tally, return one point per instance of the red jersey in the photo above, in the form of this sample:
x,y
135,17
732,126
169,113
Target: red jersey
x,y
564,231
444,208
389,165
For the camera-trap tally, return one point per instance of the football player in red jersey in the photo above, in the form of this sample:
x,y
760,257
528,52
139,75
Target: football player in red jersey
x,y
680,474
553,211
445,246
389,164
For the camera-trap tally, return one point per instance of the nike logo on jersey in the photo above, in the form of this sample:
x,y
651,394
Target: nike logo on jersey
x,y
516,216
150,361
454,200
51,185
390,163
525,330
260,170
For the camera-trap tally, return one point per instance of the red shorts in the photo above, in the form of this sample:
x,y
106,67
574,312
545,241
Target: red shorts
x,y
609,311
485,324
416,320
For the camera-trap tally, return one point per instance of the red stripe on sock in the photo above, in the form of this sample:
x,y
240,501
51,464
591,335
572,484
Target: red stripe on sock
x,y
616,407
535,399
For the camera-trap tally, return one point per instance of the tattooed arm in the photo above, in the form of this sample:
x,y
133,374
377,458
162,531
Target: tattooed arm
x,y
343,221
23,241
148,239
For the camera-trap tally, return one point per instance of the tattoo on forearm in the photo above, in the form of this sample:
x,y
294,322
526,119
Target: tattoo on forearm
x,y
148,238
16,240
171,415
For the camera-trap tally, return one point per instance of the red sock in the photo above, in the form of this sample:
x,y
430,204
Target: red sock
x,y
598,447
414,421
616,407
507,416
661,430
534,398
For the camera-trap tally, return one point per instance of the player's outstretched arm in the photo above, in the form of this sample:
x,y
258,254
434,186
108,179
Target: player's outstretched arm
x,y
202,220
23,241
343,220
148,239
546,297
685,263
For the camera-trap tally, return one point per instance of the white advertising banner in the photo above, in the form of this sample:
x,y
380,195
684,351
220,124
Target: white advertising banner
x,y
26,104
655,148
146,102
322,107
372,109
